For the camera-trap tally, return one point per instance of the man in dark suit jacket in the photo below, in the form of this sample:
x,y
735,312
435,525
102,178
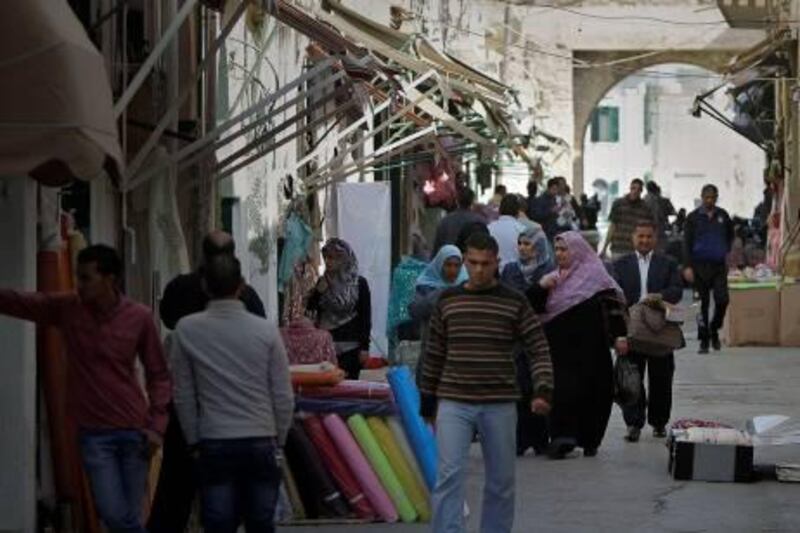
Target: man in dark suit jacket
x,y
642,273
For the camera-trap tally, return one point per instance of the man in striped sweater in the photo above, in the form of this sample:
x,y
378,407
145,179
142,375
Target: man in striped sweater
x,y
469,384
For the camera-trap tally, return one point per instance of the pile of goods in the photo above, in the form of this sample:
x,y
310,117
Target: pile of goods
x,y
357,450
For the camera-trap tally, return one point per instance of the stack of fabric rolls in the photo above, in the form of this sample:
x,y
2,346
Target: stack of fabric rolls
x,y
357,450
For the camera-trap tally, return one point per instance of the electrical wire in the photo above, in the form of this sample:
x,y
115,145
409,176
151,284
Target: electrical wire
x,y
639,18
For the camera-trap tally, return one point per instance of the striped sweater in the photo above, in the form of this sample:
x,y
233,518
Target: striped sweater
x,y
470,351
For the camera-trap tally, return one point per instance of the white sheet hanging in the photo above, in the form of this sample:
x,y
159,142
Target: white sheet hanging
x,y
365,222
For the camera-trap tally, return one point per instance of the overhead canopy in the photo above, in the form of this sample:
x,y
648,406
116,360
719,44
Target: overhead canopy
x,y
56,120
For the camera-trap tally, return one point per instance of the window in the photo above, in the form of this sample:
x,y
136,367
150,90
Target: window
x,y
605,124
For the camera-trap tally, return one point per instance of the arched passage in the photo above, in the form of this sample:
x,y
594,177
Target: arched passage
x,y
643,128
590,85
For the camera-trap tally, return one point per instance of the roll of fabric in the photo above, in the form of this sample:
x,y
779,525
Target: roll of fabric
x,y
298,510
406,397
337,468
413,489
319,494
344,407
402,441
318,378
360,467
369,445
349,388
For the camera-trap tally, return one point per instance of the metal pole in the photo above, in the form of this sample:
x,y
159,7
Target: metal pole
x,y
147,66
184,94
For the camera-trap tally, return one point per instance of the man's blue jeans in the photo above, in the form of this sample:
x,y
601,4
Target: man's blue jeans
x,y
116,462
239,481
456,423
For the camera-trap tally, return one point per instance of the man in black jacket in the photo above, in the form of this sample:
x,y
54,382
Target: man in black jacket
x,y
183,296
708,237
642,273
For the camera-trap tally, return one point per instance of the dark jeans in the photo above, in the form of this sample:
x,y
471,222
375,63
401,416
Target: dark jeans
x,y
116,462
656,402
177,483
711,278
239,482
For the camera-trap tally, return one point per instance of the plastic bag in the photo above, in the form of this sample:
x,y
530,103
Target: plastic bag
x,y
774,430
627,382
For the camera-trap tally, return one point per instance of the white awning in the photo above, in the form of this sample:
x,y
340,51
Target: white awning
x,y
56,120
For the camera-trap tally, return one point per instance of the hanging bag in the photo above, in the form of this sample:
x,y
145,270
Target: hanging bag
x,y
627,382
651,332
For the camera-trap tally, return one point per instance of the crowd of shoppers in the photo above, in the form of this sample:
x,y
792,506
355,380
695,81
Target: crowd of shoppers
x,y
499,305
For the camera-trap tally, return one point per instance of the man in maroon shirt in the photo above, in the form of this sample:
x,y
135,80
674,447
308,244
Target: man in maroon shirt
x,y
119,426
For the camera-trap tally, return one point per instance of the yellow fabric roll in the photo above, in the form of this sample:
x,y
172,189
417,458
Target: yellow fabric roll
x,y
415,492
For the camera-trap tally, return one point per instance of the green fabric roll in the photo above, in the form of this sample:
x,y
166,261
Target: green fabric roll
x,y
400,466
372,450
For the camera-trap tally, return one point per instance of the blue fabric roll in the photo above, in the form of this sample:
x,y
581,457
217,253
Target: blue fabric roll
x,y
345,407
423,443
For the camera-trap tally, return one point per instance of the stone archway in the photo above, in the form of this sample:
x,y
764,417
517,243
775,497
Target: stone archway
x,y
589,85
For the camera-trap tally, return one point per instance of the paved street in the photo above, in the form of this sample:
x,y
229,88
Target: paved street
x,y
626,488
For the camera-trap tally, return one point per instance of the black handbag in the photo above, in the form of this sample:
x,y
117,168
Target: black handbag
x,y
627,382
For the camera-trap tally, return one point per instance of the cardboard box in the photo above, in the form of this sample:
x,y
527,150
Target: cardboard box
x,y
790,315
711,454
753,317
711,462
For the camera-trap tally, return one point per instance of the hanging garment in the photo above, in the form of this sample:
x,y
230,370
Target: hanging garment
x,y
440,187
306,344
404,279
303,281
295,250
340,472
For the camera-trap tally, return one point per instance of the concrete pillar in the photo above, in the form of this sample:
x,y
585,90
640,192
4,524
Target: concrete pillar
x,y
17,359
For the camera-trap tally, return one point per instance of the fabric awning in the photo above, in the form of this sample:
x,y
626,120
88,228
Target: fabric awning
x,y
56,120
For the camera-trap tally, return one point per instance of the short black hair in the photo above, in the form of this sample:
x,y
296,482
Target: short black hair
x,y
637,181
645,223
652,187
533,187
500,189
466,197
223,276
212,249
483,242
509,205
710,187
107,259
553,182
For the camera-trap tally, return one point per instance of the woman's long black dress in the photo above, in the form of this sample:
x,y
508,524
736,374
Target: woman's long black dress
x,y
580,341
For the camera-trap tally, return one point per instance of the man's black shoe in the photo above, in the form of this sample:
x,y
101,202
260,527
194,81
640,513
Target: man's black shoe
x,y
703,347
715,342
633,434
659,432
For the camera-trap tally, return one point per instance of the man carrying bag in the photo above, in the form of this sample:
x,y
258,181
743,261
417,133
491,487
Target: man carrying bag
x,y
650,278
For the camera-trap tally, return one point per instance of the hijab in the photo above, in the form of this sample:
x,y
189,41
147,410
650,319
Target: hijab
x,y
432,275
338,301
585,277
543,261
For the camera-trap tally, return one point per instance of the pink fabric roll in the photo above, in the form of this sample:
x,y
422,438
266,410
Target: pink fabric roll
x,y
349,388
349,449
